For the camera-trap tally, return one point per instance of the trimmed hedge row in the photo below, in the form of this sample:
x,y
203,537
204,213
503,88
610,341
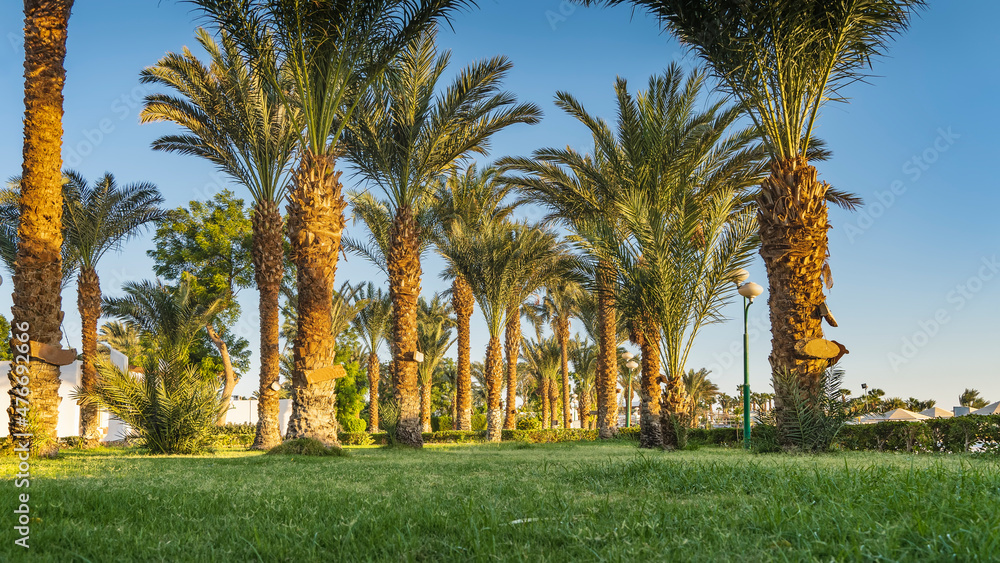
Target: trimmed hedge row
x,y
970,433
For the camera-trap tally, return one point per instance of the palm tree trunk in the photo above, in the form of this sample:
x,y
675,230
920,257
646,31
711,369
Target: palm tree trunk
x,y
650,430
494,382
583,405
562,324
269,269
607,361
554,403
425,403
315,224
88,300
404,287
793,234
543,390
462,302
373,381
228,375
512,347
37,302
454,413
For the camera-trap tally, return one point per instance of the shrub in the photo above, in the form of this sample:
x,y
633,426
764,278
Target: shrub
x,y
529,423
629,433
550,436
478,422
172,409
811,417
389,419
444,423
355,439
305,446
234,435
354,425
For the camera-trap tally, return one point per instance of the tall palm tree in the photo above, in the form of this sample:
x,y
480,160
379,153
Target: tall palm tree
x,y
701,391
971,398
583,354
404,135
331,52
372,326
560,305
100,218
685,214
784,60
37,307
10,219
434,324
543,357
233,118
491,256
467,198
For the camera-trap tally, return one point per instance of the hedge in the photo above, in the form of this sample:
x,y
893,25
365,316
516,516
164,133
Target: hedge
x,y
970,433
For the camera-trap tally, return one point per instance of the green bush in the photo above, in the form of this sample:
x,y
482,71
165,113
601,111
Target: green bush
x,y
305,446
478,422
550,436
355,439
172,409
629,433
234,435
529,423
443,423
353,425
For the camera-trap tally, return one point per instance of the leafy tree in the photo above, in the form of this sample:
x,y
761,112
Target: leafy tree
x,y
233,118
5,336
350,394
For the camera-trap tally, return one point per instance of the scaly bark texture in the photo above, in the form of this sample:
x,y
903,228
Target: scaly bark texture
x,y
373,381
494,382
543,390
228,375
583,405
650,431
404,288
425,404
512,349
269,268
554,403
88,299
463,302
793,232
562,329
315,224
607,361
37,302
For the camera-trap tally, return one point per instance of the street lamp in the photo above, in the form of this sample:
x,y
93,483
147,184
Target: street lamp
x,y
631,365
749,291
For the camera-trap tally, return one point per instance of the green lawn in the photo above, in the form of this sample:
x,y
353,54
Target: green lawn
x,y
564,502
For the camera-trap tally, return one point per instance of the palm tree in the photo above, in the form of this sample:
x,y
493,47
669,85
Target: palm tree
x,y
372,326
971,398
330,52
543,358
434,324
37,307
584,357
560,304
234,119
468,198
10,219
701,391
402,138
784,60
100,218
491,257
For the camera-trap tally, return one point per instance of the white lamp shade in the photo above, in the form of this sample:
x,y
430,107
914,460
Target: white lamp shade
x,y
739,276
632,365
627,356
276,386
751,290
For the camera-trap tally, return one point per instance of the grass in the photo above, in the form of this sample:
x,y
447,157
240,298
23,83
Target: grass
x,y
561,502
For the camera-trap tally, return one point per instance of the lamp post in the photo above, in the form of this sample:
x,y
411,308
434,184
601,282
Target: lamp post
x,y
631,365
749,291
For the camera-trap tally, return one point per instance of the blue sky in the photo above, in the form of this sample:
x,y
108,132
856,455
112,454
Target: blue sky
x,y
917,277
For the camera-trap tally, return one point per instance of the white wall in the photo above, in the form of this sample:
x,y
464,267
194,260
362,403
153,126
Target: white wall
x,y
245,412
69,410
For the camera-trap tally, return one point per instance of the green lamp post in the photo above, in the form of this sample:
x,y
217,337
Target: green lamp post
x,y
749,291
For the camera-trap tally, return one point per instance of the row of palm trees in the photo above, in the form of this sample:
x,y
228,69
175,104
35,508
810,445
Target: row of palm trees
x,y
294,86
